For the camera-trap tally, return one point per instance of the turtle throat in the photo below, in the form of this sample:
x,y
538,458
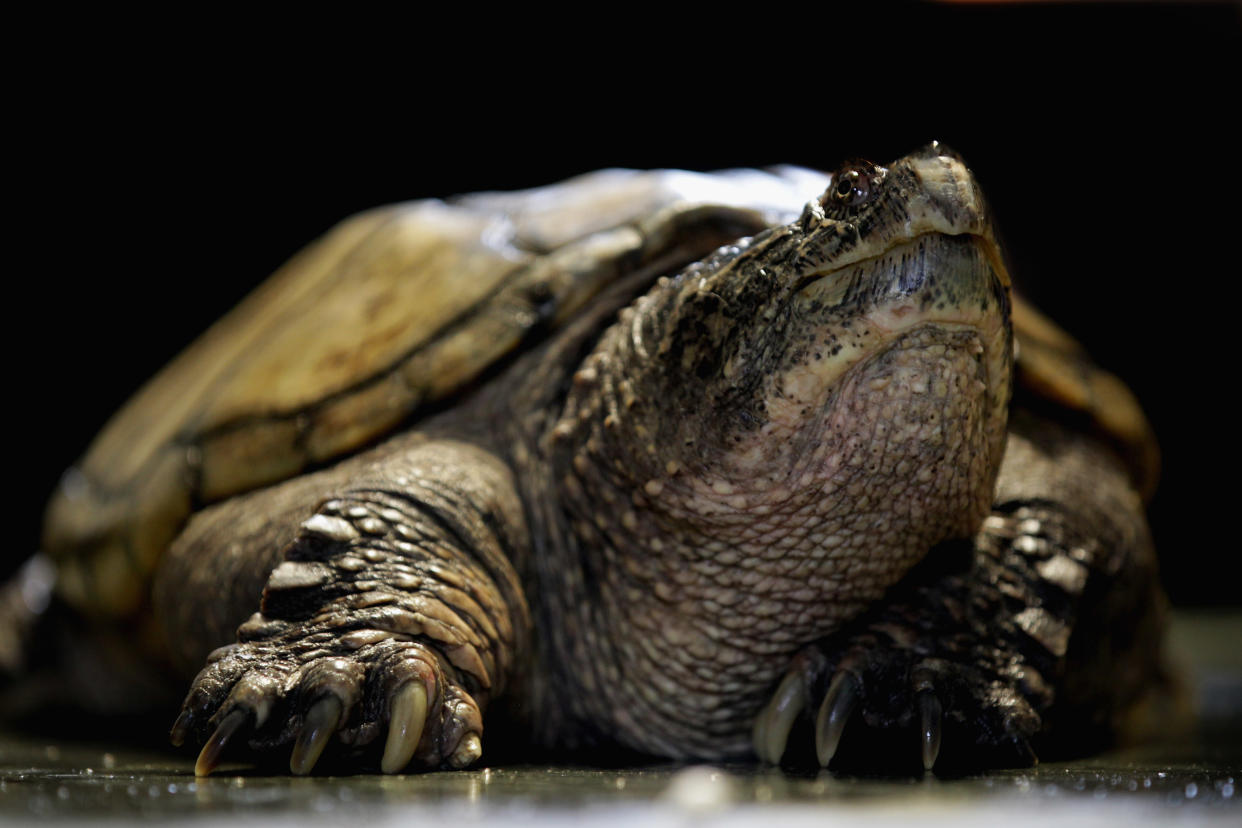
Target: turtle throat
x,y
732,555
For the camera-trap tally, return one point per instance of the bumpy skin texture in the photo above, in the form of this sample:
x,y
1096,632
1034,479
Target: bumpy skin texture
x,y
764,475
1037,634
394,594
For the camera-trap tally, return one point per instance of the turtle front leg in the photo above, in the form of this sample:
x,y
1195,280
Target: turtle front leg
x,y
1044,634
392,618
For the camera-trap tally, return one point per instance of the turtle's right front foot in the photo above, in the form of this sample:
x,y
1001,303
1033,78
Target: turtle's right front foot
x,y
362,695
380,637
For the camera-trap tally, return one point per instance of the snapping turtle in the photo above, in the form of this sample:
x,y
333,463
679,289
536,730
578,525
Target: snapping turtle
x,y
561,456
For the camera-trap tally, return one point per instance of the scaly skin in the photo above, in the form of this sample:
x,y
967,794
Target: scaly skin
x,y
392,618
643,528
1038,634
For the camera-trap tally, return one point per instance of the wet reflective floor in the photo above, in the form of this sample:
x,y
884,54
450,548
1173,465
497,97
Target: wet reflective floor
x,y
1195,778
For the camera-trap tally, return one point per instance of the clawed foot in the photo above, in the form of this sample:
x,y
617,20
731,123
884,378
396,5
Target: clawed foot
x,y
375,690
882,706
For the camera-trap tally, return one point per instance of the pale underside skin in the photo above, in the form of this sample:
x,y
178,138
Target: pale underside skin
x,y
729,551
629,533
723,581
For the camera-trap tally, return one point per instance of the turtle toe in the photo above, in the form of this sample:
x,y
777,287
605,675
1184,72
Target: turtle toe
x,y
318,727
874,703
238,720
325,703
406,718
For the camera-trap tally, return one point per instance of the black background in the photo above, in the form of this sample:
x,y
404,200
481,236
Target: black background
x,y
163,167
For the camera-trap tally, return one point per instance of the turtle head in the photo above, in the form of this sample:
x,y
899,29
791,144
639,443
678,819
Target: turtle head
x,y
856,361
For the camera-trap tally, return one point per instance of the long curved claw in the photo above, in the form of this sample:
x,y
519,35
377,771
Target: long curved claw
x,y
1026,754
771,733
209,757
408,714
759,735
180,728
320,724
839,702
932,715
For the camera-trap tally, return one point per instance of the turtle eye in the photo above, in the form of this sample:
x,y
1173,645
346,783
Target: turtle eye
x,y
852,186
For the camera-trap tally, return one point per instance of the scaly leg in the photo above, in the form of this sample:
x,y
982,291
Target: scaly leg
x,y
1043,634
390,614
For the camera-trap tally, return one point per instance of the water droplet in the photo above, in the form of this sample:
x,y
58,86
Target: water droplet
x,y
1192,790
1226,790
701,789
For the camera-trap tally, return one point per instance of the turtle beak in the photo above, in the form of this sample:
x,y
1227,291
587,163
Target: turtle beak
x,y
937,149
951,202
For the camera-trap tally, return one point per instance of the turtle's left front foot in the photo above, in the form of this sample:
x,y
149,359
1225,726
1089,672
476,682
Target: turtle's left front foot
x,y
952,674
879,702
301,695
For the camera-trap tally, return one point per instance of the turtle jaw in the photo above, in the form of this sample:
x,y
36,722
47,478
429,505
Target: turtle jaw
x,y
952,281
914,342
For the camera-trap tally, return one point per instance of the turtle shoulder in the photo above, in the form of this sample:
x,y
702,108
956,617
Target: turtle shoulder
x,y
1054,370
391,311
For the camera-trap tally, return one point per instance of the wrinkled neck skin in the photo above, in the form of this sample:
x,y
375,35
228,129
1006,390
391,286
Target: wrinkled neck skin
x,y
755,452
